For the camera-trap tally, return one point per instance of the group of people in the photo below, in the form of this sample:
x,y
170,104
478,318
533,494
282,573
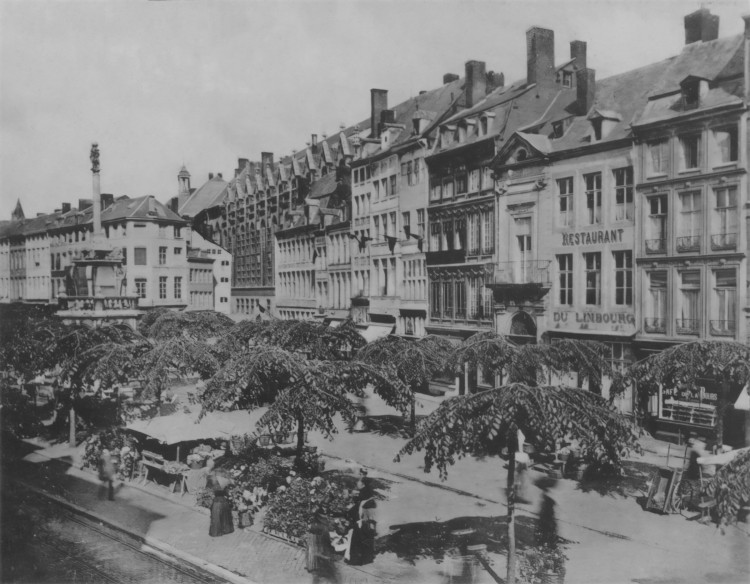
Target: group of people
x,y
359,542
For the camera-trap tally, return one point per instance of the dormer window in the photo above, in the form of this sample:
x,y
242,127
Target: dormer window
x,y
461,134
693,89
557,129
596,125
567,79
521,154
483,126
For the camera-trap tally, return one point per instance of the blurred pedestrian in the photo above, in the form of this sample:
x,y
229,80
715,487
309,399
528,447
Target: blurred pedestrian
x,y
107,475
545,533
320,560
222,522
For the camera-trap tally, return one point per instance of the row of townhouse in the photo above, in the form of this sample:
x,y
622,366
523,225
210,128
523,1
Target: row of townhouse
x,y
557,206
110,259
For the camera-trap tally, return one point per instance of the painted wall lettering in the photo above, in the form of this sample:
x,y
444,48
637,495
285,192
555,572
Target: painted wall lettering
x,y
595,317
593,237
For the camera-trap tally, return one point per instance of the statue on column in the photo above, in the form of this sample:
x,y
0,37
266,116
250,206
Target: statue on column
x,y
94,157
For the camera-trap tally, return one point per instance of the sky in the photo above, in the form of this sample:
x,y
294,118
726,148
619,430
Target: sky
x,y
163,83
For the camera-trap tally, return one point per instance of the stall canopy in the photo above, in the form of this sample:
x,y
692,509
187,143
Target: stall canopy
x,y
375,331
723,458
186,427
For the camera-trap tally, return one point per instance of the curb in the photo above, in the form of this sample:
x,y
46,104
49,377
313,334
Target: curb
x,y
160,547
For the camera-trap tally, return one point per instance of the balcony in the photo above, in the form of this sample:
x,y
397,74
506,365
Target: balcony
x,y
689,243
450,256
724,241
656,246
519,282
655,325
723,328
687,326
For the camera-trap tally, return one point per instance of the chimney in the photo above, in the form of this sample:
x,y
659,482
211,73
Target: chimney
x,y
578,52
108,200
746,18
266,159
219,176
450,78
701,25
210,176
378,103
84,204
476,82
314,140
65,208
96,189
585,90
540,56
387,117
174,204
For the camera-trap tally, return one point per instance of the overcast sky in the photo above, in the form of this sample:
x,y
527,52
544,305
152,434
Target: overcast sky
x,y
162,83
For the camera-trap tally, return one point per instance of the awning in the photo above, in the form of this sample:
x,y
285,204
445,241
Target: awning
x,y
591,334
743,400
413,312
185,427
723,458
373,332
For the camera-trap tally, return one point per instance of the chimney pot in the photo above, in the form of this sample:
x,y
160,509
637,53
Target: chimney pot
x,y
746,18
578,52
210,175
314,139
66,207
450,78
702,26
476,82
218,175
378,103
540,56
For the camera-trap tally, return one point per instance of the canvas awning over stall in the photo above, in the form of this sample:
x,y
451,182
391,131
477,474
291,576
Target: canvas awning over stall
x,y
186,427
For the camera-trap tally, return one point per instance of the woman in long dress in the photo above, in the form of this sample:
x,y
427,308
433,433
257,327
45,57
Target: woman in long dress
x,y
221,509
362,517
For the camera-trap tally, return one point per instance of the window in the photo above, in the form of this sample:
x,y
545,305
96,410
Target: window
x,y
420,222
656,310
139,256
391,224
593,263
473,233
725,145
483,126
691,219
623,193
162,230
223,299
162,256
435,236
725,219
567,78
523,247
178,287
658,158
623,277
488,231
393,184
689,310
725,302
690,152
488,181
376,226
406,220
565,201
593,197
461,184
656,226
436,191
376,187
162,287
417,170
177,232
565,273
448,188
140,287
178,251
474,181
435,299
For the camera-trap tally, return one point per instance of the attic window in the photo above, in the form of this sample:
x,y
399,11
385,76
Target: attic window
x,y
567,79
596,123
557,129
691,93
521,154
483,126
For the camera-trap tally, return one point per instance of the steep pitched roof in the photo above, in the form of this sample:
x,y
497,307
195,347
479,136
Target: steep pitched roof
x,y
211,193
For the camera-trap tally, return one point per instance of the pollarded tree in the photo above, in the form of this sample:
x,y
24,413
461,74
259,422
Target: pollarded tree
x,y
303,394
415,362
685,365
490,420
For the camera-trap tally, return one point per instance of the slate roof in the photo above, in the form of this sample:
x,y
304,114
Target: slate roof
x,y
211,193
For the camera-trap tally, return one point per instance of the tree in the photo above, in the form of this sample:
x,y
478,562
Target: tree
x,y
304,394
415,362
730,488
545,414
686,364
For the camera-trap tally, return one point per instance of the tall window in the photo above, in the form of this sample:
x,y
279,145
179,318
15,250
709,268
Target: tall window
x,y
473,232
565,273
420,222
623,194
658,158
140,287
162,287
162,256
623,277
139,256
436,190
725,145
488,231
474,180
690,152
691,219
488,182
447,299
392,224
565,201
177,232
448,188
725,302
593,198
593,262
405,220
461,184
435,235
393,184
376,226
689,313
523,248
435,299
656,226
460,288
657,302
178,287
725,219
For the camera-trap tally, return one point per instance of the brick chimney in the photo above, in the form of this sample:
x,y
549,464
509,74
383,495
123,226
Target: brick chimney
x,y
387,117
540,56
450,78
108,199
65,207
578,52
702,26
476,82
585,90
210,176
266,159
378,103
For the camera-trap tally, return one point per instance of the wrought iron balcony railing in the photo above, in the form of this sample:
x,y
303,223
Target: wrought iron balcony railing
x,y
723,328
655,325
521,272
97,303
688,326
689,243
722,241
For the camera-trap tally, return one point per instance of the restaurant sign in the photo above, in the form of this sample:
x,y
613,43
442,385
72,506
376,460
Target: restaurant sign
x,y
593,237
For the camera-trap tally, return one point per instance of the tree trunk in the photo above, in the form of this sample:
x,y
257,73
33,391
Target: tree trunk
x,y
300,438
413,421
721,406
510,577
72,434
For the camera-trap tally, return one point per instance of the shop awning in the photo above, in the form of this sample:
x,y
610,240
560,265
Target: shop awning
x,y
373,332
186,427
723,458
